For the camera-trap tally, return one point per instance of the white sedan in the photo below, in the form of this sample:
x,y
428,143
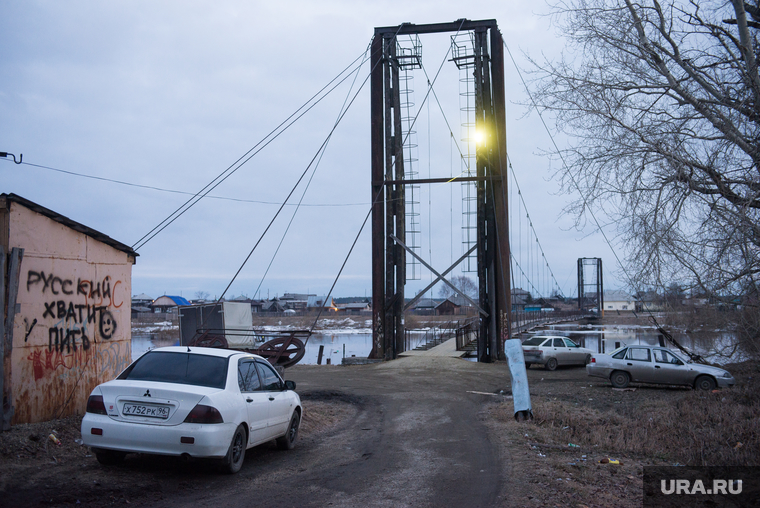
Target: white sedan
x,y
553,350
196,402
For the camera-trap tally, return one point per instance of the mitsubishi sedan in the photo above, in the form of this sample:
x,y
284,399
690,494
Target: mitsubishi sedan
x,y
652,364
192,402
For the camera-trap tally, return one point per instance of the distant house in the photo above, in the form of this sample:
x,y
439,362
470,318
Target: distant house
x,y
518,303
141,304
525,295
426,307
295,301
272,305
141,300
315,302
448,307
257,305
168,303
618,300
353,308
649,301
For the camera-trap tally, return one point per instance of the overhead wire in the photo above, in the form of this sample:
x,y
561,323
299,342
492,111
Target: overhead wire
x,y
174,191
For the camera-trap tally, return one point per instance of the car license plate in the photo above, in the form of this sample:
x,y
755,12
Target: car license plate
x,y
145,410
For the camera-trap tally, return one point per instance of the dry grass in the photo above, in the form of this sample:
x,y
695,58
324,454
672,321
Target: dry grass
x,y
694,428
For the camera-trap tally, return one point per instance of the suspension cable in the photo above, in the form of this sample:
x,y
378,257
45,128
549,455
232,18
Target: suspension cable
x,y
274,134
308,184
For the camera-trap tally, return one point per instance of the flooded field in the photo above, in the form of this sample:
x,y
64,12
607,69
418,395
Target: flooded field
x,y
716,346
337,344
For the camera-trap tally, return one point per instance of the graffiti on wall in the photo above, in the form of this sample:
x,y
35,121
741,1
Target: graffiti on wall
x,y
109,357
77,314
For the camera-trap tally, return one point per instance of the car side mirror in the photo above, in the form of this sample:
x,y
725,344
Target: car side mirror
x,y
290,385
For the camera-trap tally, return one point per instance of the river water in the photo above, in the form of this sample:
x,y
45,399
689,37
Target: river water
x,y
337,344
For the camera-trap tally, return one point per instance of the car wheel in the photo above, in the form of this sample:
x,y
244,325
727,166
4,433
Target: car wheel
x,y
288,441
110,457
551,364
620,379
704,383
236,453
588,359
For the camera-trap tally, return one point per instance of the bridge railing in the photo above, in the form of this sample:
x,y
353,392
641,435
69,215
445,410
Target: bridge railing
x,y
467,333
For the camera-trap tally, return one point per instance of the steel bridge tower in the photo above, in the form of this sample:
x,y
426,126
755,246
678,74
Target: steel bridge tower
x,y
389,181
590,285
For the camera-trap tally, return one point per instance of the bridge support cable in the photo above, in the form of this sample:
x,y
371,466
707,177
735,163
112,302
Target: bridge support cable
x,y
253,151
298,182
534,284
631,282
308,184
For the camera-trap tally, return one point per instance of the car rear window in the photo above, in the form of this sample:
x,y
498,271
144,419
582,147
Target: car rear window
x,y
178,367
534,341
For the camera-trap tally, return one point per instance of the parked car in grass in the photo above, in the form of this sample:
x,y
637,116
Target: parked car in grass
x,y
194,402
659,365
552,351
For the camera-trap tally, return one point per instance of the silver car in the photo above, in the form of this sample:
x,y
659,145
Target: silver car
x,y
552,350
659,365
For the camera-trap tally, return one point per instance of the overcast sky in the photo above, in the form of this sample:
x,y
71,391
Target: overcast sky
x,y
169,94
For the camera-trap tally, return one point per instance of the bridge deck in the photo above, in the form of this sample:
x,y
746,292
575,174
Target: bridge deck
x,y
448,349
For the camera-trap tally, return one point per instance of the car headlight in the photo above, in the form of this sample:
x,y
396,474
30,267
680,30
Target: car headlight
x,y
726,374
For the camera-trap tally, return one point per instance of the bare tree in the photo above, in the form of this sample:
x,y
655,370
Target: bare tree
x,y
202,295
661,101
463,283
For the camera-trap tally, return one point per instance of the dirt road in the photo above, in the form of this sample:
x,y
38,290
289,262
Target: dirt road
x,y
416,440
409,434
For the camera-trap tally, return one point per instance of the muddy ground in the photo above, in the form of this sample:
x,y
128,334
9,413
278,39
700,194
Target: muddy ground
x,y
417,432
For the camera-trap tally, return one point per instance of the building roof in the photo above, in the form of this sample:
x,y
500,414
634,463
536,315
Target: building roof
x,y
142,297
178,300
427,303
97,235
352,306
461,300
615,295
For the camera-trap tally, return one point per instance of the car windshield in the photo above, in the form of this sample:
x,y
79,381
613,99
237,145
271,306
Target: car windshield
x,y
178,367
534,341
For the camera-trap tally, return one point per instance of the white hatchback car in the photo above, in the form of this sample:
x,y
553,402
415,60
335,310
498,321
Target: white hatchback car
x,y
552,351
196,402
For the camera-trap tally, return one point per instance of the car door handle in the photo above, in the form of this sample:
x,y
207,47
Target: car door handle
x,y
271,398
249,399
630,364
656,366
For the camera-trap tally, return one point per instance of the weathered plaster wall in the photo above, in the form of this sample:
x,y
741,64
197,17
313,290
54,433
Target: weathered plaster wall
x,y
72,330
